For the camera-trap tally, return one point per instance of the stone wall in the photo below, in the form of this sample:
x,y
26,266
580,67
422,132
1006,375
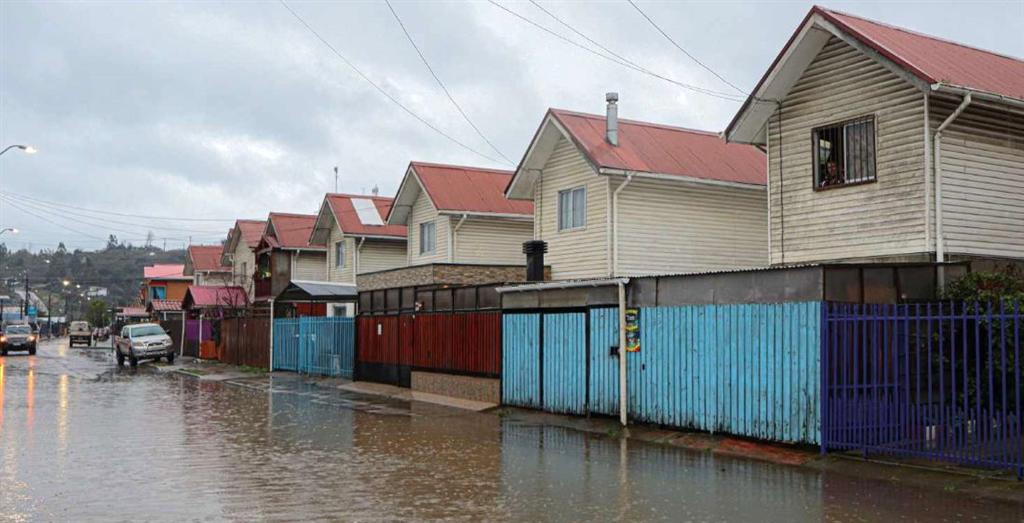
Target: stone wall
x,y
443,274
466,387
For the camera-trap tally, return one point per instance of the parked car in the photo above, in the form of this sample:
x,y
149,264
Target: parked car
x,y
18,337
79,332
141,341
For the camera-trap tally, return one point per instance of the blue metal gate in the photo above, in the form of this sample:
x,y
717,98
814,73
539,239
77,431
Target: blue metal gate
x,y
564,360
520,359
315,345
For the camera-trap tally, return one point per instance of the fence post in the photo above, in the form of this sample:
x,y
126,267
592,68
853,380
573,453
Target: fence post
x,y
271,369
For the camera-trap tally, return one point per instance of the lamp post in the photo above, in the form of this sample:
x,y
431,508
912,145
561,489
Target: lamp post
x,y
27,148
11,230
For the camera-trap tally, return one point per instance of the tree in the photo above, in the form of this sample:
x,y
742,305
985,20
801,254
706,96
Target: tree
x,y
97,313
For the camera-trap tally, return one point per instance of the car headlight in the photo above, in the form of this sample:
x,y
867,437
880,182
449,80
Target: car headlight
x,y
31,338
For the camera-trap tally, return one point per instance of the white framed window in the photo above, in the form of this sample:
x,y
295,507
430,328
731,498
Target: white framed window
x,y
572,209
428,237
339,254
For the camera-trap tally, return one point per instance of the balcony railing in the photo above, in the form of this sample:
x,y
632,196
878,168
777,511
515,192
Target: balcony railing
x,y
262,287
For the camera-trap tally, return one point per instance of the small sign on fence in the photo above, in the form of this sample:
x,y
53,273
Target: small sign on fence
x,y
632,330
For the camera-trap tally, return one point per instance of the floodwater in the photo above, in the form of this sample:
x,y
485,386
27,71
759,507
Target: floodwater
x,y
83,440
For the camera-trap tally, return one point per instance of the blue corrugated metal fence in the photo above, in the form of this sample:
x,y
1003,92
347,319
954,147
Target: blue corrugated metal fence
x,y
564,379
315,345
520,360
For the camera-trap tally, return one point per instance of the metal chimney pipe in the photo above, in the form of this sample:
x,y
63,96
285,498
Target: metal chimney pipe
x,y
612,119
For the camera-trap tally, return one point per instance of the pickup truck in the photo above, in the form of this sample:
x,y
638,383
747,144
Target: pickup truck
x,y
142,341
79,332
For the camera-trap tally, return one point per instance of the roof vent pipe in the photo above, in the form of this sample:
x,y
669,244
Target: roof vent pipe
x,y
375,191
612,120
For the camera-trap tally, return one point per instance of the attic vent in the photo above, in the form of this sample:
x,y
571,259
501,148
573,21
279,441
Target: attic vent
x,y
366,210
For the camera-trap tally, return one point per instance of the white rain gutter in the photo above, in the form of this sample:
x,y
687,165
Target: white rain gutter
x,y
271,369
355,258
681,178
614,247
940,243
566,284
992,97
455,238
623,396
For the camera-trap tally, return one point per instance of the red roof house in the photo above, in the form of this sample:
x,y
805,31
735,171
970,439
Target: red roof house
x,y
203,297
358,237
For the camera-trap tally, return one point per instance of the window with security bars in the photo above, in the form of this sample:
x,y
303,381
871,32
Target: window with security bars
x,y
844,154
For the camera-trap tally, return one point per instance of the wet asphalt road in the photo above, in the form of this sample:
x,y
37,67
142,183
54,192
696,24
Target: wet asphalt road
x,y
83,440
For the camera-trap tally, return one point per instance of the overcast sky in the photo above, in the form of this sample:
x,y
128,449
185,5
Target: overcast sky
x,y
218,110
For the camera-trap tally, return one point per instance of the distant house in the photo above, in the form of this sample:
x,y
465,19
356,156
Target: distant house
x,y
204,263
459,214
164,282
623,197
240,252
888,145
284,255
358,240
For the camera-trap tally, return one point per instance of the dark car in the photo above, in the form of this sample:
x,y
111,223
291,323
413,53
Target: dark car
x,y
18,337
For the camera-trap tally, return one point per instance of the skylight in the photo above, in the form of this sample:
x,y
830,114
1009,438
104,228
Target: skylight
x,y
367,211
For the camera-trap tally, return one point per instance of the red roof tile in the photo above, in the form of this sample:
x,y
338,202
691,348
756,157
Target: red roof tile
x,y
251,230
166,271
292,230
207,258
134,311
208,296
348,219
469,189
935,60
662,149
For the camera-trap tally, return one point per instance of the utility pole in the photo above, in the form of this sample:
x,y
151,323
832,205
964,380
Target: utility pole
x,y
49,315
66,299
24,305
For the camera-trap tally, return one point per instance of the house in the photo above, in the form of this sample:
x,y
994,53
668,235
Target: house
x,y
623,197
163,282
204,263
239,252
284,255
357,238
888,145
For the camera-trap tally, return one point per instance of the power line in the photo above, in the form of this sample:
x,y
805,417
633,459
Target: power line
x,y
677,46
381,89
624,63
128,215
61,209
440,83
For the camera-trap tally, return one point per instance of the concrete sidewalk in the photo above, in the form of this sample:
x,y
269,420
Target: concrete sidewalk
x,y
402,393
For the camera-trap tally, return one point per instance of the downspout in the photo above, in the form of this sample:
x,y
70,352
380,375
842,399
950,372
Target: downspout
x,y
455,239
615,225
271,335
355,259
940,243
622,354
927,178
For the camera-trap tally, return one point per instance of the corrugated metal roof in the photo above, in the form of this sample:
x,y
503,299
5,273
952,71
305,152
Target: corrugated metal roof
x,y
165,305
251,231
663,149
348,218
207,258
292,230
469,189
209,296
165,271
935,60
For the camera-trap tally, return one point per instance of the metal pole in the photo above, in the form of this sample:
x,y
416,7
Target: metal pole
x,y
24,305
49,316
622,354
271,335
181,343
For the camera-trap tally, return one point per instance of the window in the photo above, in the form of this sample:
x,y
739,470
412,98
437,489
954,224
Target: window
x,y
844,154
158,293
428,237
572,208
339,254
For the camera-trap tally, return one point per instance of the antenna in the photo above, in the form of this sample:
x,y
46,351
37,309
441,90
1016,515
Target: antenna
x,y
335,178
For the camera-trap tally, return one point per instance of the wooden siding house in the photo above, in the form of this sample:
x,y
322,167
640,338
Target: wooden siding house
x,y
240,252
284,255
888,145
205,264
458,215
357,239
636,198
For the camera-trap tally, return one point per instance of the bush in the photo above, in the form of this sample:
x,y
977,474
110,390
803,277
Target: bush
x,y
984,287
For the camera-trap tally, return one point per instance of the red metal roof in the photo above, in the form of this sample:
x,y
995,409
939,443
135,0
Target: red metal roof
x,y
165,271
663,149
207,258
251,230
292,230
165,305
348,219
134,311
935,60
208,296
469,189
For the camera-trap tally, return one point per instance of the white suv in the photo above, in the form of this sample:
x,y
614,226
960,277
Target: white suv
x,y
143,341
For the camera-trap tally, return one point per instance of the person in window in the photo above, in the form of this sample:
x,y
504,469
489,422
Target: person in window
x,y
832,175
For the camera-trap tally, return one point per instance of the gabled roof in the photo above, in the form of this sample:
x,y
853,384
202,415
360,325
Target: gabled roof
x,y
248,231
165,271
206,258
202,296
369,219
457,189
643,148
289,231
928,62
164,306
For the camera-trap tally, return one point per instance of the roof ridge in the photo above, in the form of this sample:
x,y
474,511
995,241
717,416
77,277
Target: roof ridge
x,y
463,167
556,110
362,196
916,33
292,214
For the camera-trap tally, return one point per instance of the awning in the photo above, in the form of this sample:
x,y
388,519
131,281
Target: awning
x,y
320,291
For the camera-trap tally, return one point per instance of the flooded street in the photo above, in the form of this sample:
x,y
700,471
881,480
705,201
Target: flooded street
x,y
83,440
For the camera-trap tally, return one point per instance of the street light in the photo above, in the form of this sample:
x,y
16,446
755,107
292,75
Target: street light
x,y
11,230
65,283
27,148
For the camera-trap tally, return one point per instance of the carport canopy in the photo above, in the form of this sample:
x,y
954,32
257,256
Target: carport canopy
x,y
318,291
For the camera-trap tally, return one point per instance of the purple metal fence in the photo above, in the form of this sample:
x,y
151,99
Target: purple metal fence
x,y
198,330
938,381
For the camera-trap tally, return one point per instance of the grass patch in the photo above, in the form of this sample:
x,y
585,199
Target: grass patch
x,y
252,370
